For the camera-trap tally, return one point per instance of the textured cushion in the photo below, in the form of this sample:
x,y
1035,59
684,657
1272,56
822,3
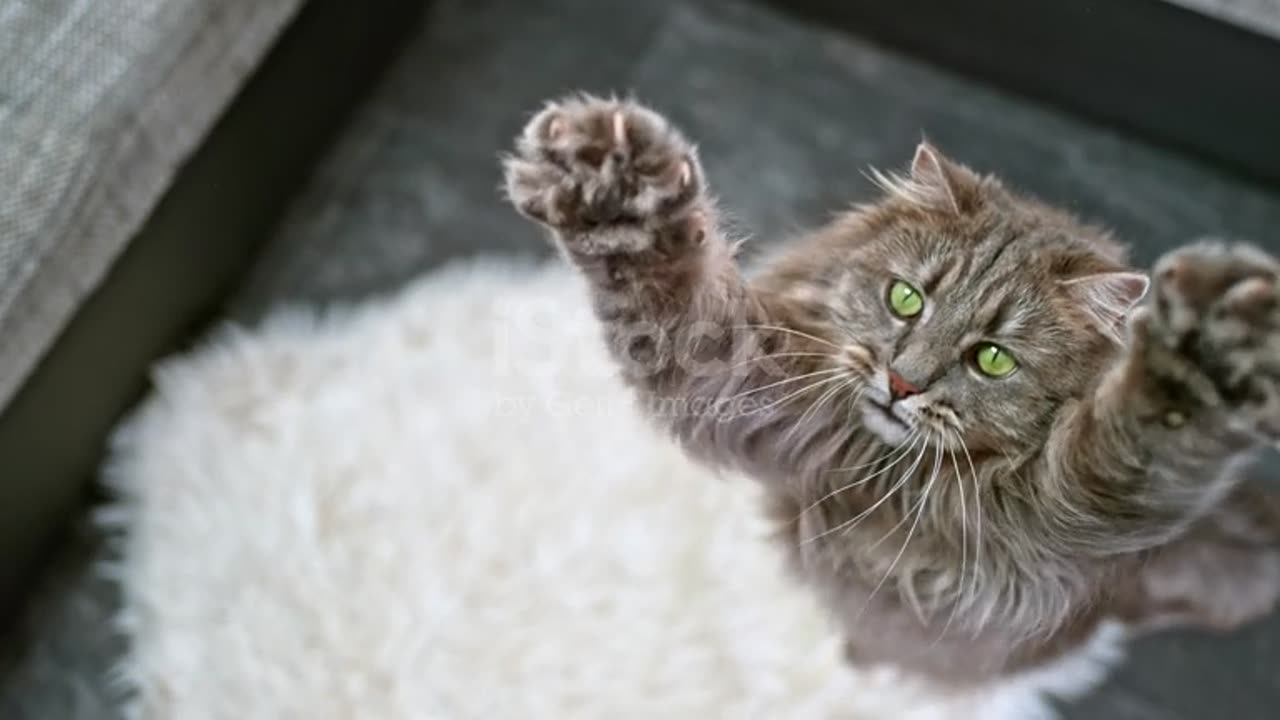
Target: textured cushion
x,y
1260,16
100,102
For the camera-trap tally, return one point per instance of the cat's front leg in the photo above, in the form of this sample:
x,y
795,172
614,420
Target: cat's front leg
x,y
625,197
1210,345
623,192
1222,573
1162,440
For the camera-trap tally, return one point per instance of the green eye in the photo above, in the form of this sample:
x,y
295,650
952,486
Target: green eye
x,y
994,361
904,300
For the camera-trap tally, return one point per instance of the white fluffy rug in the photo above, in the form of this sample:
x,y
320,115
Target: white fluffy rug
x,y
442,506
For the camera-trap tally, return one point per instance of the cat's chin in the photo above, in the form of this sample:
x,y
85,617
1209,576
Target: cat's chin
x,y
884,424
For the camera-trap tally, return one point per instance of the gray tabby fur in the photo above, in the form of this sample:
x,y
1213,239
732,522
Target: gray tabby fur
x,y
981,526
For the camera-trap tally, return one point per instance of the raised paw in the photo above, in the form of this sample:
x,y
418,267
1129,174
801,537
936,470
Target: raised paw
x,y
1216,307
585,166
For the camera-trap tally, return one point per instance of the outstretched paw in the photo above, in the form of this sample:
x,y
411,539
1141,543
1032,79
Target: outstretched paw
x,y
1216,308
585,166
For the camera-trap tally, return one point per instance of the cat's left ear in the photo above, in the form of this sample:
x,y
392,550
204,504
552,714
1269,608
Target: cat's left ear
x,y
1109,297
949,183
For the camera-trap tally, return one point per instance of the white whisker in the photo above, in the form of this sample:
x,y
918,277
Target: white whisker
x,y
977,506
784,381
791,331
849,524
1013,465
851,402
762,358
794,395
902,521
964,542
813,407
928,488
901,454
902,449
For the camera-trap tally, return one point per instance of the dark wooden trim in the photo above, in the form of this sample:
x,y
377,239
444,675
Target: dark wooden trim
x,y
1154,69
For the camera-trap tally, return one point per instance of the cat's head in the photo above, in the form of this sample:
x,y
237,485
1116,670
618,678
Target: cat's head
x,y
970,312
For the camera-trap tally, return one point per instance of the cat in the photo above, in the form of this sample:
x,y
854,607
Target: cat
x,y
982,434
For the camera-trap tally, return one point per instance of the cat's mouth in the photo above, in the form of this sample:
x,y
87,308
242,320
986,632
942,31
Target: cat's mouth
x,y
884,422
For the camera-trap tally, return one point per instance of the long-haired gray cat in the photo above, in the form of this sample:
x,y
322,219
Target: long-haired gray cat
x,y
979,441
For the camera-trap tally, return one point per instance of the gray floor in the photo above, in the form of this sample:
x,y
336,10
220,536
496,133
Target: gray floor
x,y
787,116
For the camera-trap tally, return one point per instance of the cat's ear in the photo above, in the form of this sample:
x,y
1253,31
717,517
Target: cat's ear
x,y
947,184
1109,297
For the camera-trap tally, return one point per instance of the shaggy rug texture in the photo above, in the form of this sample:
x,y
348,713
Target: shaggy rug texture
x,y
442,505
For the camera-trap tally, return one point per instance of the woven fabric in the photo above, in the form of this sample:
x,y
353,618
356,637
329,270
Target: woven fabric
x,y
99,104
1260,16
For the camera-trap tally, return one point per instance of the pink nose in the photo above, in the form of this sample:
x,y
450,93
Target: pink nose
x,y
899,388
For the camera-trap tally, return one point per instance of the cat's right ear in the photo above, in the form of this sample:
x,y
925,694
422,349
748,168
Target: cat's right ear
x,y
1109,297
952,185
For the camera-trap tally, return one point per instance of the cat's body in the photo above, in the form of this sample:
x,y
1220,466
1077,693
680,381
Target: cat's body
x,y
975,444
